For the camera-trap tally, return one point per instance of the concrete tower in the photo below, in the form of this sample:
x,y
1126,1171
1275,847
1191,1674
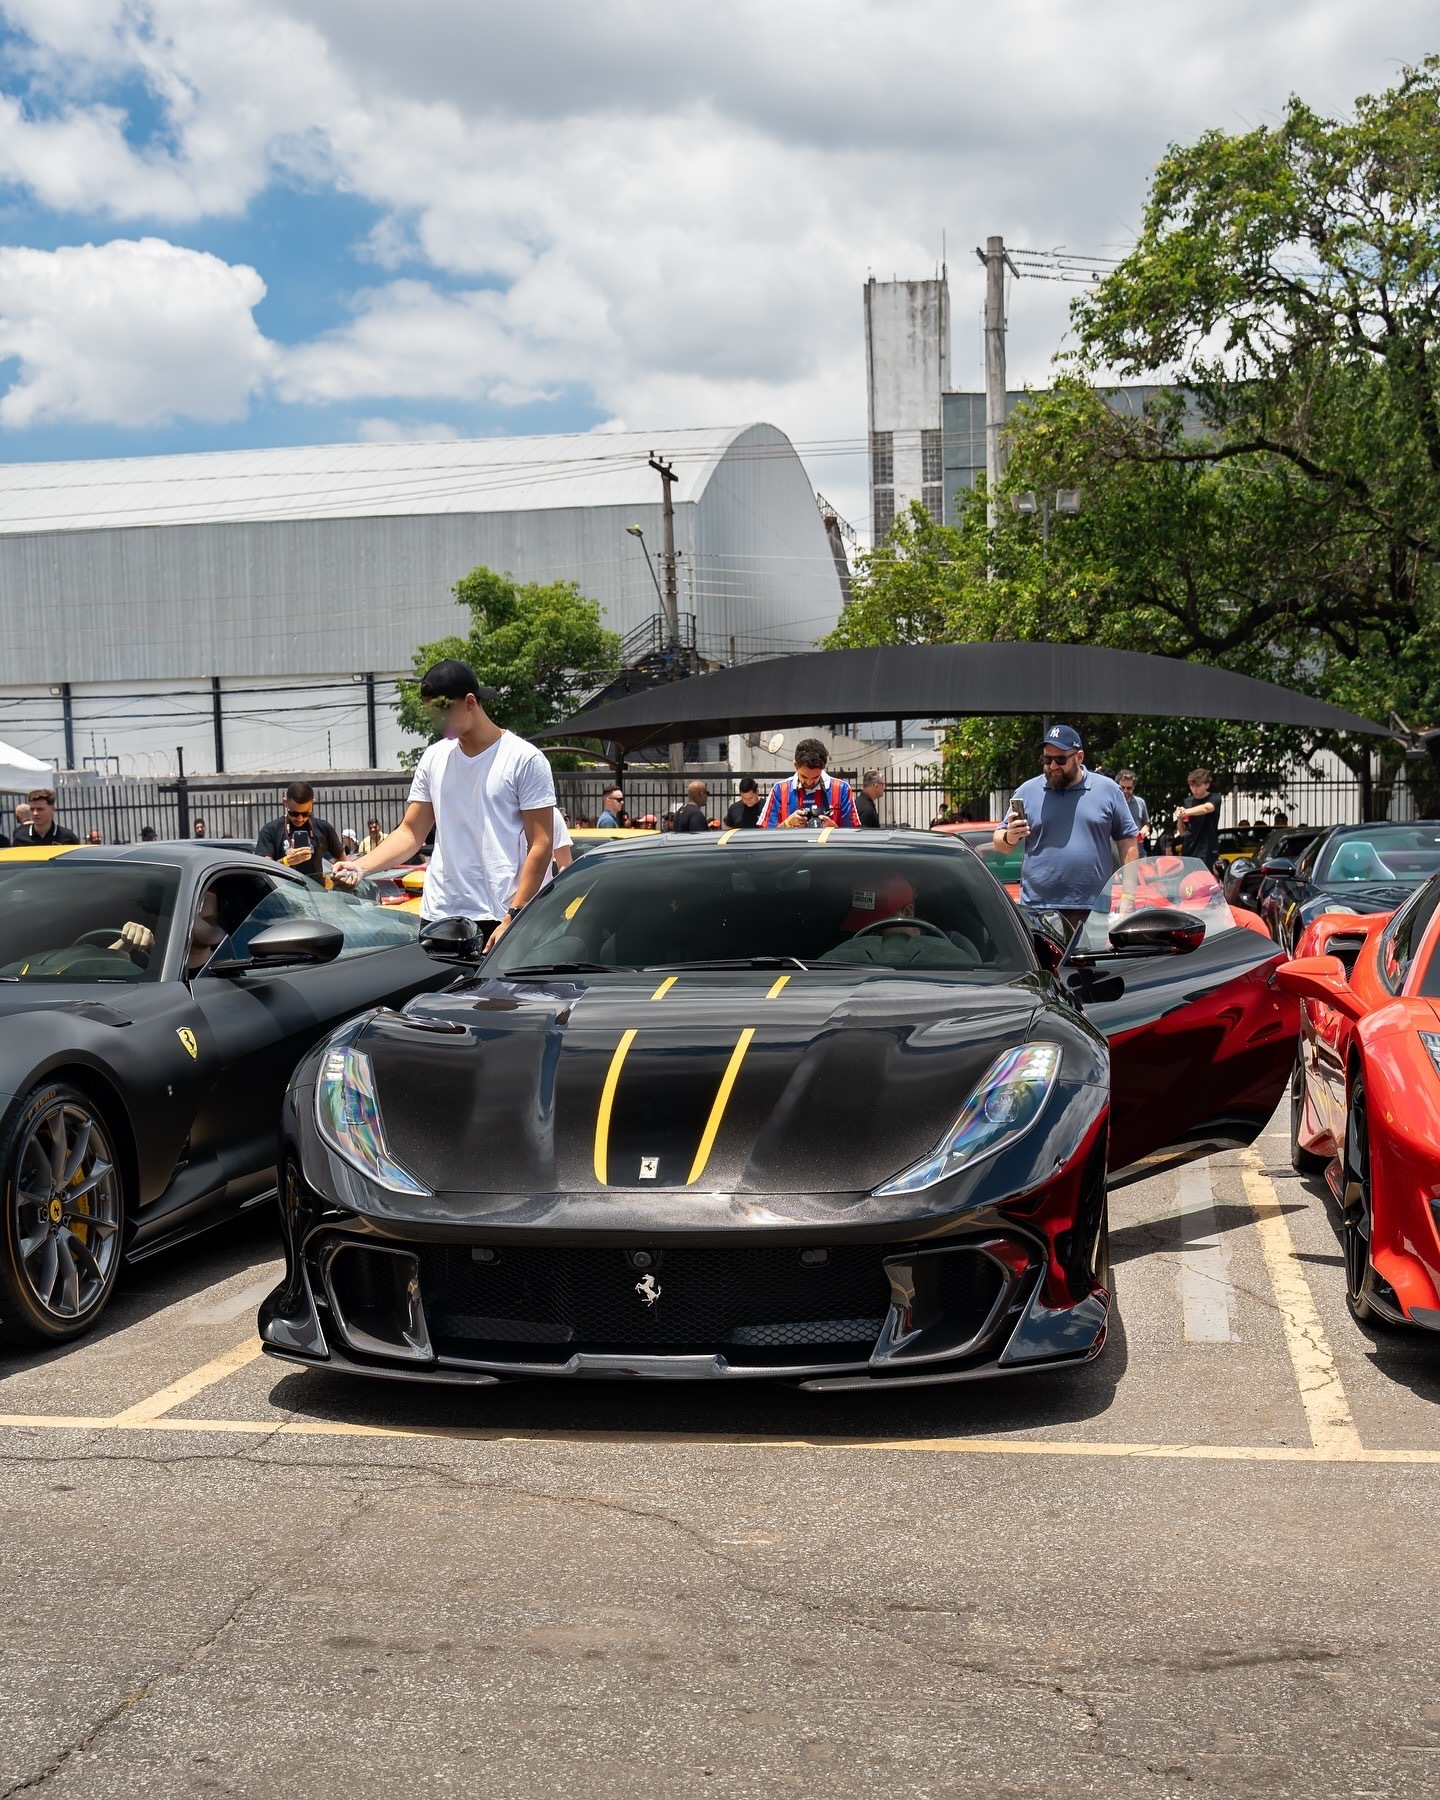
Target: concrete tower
x,y
907,363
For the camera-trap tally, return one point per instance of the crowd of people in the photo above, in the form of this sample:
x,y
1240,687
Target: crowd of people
x,y
482,811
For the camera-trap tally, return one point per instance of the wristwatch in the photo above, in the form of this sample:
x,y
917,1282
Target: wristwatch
x,y
512,912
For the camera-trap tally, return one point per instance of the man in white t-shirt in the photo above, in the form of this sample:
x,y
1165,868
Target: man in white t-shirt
x,y
563,853
490,798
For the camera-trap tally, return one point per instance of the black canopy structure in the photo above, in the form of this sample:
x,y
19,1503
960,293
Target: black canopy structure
x,y
947,681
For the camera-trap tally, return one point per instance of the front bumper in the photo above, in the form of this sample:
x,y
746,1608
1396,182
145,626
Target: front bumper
x,y
1001,1289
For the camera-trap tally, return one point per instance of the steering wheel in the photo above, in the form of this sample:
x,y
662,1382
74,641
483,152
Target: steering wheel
x,y
894,921
101,932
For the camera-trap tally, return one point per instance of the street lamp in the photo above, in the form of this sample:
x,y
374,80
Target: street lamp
x,y
1064,502
638,531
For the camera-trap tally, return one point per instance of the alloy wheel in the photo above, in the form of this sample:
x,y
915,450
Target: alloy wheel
x,y
66,1201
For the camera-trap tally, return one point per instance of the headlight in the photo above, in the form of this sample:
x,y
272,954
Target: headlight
x,y
348,1117
1333,906
1431,1041
1004,1107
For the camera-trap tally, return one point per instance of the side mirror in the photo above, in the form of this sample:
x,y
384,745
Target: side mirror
x,y
1242,865
1321,978
286,942
452,940
1157,931
1278,868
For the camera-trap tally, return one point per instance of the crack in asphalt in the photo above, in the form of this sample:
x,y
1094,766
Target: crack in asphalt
x,y
196,1653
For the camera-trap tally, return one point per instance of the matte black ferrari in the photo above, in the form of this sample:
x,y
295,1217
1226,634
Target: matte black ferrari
x,y
153,1002
815,1105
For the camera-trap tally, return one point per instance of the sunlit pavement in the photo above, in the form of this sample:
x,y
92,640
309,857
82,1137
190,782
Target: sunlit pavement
x,y
1205,1565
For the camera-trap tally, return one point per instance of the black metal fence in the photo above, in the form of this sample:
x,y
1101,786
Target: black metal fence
x,y
237,807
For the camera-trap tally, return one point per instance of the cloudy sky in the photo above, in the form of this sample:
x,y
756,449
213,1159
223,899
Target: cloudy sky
x,y
238,222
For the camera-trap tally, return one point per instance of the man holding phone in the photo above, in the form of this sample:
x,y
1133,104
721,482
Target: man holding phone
x,y
1067,818
300,840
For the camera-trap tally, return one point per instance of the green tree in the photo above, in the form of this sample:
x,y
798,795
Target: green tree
x,y
542,648
1278,511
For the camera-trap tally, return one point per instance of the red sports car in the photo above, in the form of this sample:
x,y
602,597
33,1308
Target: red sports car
x,y
1365,1098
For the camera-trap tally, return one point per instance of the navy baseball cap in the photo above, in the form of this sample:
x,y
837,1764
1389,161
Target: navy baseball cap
x,y
1064,737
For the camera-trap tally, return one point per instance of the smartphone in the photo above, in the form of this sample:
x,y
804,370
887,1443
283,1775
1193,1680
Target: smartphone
x,y
300,838
1017,806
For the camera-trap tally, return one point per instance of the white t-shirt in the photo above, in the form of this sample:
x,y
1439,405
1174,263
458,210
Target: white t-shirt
x,y
559,837
478,801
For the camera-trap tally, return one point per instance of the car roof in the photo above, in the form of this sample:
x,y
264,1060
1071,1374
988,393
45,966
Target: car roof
x,y
742,837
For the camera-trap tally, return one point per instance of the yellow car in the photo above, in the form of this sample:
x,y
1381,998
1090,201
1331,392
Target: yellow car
x,y
36,852
582,837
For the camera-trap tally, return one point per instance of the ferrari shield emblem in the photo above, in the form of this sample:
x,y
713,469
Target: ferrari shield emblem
x,y
187,1038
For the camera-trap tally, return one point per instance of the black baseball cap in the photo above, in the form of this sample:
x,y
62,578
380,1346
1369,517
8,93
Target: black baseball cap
x,y
453,680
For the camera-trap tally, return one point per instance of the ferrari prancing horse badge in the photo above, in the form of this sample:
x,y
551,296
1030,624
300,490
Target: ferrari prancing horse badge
x,y
187,1038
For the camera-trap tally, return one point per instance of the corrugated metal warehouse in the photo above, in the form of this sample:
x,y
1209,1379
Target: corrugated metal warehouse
x,y
262,602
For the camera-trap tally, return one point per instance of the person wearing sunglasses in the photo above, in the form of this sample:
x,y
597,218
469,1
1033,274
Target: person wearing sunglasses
x,y
490,798
299,839
1068,818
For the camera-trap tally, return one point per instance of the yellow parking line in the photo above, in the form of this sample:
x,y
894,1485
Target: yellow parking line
x,y
607,1101
482,1434
664,987
145,1412
776,987
717,1111
1322,1393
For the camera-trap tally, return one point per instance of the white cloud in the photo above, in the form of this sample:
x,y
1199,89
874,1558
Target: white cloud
x,y
404,431
672,207
128,333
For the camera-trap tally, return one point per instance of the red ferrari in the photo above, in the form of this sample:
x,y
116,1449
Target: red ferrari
x,y
1365,1098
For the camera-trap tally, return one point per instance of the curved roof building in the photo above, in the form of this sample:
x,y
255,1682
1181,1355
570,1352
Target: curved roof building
x,y
181,601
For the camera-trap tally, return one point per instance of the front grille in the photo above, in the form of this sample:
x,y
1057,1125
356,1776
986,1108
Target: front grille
x,y
736,1302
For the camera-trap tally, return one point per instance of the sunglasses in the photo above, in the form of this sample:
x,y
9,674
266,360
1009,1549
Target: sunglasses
x,y
1060,761
290,813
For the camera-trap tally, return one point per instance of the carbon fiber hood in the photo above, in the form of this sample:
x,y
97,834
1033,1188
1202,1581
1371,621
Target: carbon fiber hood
x,y
734,1083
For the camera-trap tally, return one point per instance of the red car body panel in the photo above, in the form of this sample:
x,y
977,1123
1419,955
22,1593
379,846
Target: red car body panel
x,y
1402,1091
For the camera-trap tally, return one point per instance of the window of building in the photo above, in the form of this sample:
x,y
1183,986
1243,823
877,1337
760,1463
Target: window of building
x,y
882,458
883,511
932,457
932,498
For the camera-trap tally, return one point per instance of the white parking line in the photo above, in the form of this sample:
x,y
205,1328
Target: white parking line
x,y
1202,1273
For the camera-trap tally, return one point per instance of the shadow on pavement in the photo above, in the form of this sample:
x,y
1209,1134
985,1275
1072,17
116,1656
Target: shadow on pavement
x,y
169,1278
1018,1403
1156,1236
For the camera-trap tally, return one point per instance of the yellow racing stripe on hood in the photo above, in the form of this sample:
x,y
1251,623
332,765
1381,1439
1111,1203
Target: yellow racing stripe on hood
x,y
717,1111
607,1102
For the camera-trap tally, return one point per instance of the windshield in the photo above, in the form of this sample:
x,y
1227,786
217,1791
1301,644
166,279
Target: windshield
x,y
1403,855
1178,881
816,903
73,921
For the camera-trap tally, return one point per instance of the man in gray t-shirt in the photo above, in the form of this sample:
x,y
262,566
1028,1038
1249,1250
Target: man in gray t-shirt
x,y
1067,819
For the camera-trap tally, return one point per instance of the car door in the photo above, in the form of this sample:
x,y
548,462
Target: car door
x,y
1202,1043
261,1022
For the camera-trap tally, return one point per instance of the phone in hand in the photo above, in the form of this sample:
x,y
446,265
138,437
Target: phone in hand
x,y
1017,807
300,838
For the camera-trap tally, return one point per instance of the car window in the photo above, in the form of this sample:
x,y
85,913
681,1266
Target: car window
x,y
1181,882
364,925
221,909
837,901
70,920
1004,865
1404,935
1381,854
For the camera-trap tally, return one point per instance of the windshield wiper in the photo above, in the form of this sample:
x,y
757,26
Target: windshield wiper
x,y
736,962
537,970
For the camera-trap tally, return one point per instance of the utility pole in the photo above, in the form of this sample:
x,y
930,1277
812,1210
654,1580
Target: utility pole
x,y
671,599
996,261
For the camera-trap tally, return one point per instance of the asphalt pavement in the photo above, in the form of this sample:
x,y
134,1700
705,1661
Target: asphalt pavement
x,y
1204,1565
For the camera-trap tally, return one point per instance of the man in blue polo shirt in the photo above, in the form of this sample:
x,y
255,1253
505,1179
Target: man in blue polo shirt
x,y
1068,819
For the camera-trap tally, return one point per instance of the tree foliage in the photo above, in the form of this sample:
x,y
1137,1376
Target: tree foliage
x,y
1277,510
542,648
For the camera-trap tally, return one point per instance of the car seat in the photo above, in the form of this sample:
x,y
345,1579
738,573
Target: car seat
x,y
1358,861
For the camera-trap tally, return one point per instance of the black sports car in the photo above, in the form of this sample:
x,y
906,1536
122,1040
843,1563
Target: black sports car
x,y
1352,869
155,999
805,1104
1245,885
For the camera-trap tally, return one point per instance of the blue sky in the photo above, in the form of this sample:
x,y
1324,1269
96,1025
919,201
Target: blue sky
x,y
230,223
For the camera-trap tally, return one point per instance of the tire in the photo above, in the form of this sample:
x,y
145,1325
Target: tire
x,y
1358,1214
63,1228
1303,1161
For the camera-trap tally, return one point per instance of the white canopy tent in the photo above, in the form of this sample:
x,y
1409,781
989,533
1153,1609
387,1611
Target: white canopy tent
x,y
20,772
